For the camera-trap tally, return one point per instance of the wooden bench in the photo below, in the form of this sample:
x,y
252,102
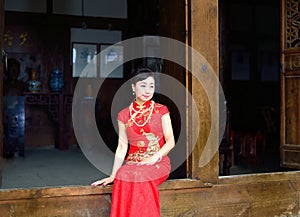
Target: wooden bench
x,y
261,195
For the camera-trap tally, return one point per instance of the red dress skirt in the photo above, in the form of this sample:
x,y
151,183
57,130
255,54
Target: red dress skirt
x,y
135,189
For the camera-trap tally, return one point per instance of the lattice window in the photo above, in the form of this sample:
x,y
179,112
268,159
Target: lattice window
x,y
292,14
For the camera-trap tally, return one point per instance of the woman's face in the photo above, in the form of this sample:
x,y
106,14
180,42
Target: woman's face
x,y
144,90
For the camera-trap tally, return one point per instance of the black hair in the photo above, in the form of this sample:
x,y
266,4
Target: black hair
x,y
141,73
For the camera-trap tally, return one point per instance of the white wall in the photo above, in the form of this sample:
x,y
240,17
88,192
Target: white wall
x,y
93,8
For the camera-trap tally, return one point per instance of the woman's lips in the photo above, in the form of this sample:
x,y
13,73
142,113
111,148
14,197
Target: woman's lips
x,y
146,96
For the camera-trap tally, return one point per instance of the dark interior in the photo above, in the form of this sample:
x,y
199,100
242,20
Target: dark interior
x,y
249,73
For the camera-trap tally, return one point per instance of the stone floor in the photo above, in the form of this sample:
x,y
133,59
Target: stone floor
x,y
47,166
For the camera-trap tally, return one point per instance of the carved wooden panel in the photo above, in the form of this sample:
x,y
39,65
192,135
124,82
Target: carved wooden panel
x,y
290,149
58,106
290,84
292,23
49,100
292,110
292,62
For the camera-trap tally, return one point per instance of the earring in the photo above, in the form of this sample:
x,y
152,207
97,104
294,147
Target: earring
x,y
133,93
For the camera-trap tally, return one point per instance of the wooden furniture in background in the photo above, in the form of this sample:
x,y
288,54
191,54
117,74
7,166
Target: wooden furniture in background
x,y
250,147
59,107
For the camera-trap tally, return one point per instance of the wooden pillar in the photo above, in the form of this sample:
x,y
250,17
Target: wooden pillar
x,y
1,86
203,31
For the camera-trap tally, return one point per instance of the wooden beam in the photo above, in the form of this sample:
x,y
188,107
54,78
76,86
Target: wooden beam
x,y
204,38
275,194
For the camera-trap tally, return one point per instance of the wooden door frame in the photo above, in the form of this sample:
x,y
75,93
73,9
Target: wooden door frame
x,y
203,31
282,113
1,86
290,54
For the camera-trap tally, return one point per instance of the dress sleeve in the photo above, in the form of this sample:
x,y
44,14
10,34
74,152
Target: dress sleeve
x,y
123,116
164,110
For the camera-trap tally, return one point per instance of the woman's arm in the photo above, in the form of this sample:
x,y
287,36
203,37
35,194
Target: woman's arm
x,y
119,156
121,149
168,134
169,141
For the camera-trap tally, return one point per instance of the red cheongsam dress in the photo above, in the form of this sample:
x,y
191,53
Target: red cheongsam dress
x,y
135,189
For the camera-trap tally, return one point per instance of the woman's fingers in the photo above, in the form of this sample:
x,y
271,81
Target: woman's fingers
x,y
149,161
103,182
97,183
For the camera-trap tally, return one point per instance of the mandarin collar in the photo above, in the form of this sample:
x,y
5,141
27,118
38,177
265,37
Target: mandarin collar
x,y
137,106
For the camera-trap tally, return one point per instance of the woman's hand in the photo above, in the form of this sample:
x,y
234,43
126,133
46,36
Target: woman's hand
x,y
103,182
150,160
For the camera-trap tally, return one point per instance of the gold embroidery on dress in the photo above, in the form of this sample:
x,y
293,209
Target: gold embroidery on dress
x,y
152,148
153,145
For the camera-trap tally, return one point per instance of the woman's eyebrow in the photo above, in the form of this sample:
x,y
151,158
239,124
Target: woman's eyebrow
x,y
143,82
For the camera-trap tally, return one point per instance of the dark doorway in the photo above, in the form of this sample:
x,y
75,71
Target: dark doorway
x,y
249,72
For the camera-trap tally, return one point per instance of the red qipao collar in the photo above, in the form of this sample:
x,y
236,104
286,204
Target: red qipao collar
x,y
145,105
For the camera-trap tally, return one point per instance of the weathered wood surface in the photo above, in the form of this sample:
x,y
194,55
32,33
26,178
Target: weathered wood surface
x,y
77,201
289,85
205,39
264,195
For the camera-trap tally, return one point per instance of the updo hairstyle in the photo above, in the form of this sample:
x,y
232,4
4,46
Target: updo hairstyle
x,y
141,73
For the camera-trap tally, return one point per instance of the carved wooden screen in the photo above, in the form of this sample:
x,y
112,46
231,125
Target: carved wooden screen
x,y
290,84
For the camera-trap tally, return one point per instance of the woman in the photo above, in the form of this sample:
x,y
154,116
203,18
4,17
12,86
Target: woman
x,y
146,126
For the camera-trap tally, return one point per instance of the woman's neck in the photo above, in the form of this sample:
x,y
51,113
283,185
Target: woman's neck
x,y
140,102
